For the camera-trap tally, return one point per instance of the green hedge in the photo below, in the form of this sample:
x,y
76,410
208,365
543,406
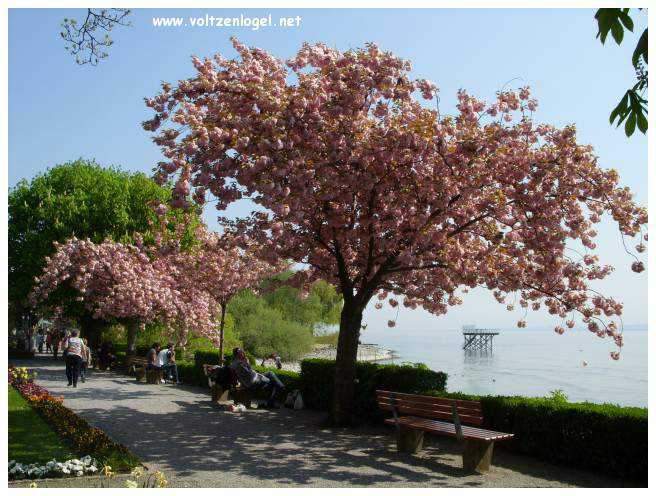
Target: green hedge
x,y
212,357
189,373
318,375
603,437
291,380
192,372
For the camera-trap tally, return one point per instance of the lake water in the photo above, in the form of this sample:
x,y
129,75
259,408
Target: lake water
x,y
532,363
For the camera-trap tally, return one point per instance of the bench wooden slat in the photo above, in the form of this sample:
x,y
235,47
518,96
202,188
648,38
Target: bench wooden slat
x,y
469,412
449,429
442,406
435,399
441,414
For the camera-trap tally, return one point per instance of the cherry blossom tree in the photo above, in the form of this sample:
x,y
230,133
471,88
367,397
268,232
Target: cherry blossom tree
x,y
114,281
225,269
213,269
158,279
380,194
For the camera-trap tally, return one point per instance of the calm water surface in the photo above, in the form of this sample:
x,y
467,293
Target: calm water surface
x,y
532,363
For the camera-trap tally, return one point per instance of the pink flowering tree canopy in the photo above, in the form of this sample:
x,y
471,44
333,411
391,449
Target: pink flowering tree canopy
x,y
185,287
380,194
113,281
208,274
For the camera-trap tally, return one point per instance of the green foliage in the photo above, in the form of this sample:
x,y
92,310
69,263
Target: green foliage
x,y
265,331
212,358
280,321
603,437
321,306
317,383
633,108
329,338
189,373
613,21
558,396
78,198
633,105
114,333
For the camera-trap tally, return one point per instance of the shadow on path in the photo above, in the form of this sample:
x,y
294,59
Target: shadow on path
x,y
178,430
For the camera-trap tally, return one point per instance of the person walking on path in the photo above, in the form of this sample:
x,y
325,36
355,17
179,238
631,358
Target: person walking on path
x,y
276,360
75,353
86,360
40,338
49,342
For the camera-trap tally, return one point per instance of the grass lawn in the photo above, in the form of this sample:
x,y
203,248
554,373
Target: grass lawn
x,y
31,440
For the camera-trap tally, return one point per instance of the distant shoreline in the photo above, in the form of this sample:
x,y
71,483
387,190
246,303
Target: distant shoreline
x,y
367,352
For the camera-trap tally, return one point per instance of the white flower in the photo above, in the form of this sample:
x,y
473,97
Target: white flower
x,y
53,468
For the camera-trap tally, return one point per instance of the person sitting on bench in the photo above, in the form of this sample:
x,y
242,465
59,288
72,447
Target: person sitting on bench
x,y
106,356
166,360
151,357
254,380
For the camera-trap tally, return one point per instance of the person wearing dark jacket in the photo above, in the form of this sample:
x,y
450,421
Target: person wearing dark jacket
x,y
251,379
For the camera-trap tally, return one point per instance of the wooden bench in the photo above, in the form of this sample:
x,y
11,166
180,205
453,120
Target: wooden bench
x,y
137,366
239,393
415,414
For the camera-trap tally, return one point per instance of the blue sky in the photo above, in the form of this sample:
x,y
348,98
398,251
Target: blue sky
x,y
59,111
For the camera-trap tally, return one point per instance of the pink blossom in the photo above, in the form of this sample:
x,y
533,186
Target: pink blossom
x,y
379,194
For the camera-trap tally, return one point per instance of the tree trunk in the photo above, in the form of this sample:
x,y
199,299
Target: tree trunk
x,y
92,330
223,312
347,352
132,327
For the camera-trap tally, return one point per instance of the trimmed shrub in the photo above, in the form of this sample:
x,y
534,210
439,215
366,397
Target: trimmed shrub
x,y
603,437
189,373
318,375
212,358
291,379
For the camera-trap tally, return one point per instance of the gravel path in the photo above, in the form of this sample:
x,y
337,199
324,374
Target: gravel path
x,y
178,431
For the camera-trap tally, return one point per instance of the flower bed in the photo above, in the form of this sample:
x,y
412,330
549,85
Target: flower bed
x,y
82,437
73,467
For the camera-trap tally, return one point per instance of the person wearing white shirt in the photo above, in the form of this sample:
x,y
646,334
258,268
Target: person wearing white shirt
x,y
76,353
166,360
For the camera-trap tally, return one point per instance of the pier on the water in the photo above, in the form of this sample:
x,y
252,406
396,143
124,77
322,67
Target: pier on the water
x,y
478,339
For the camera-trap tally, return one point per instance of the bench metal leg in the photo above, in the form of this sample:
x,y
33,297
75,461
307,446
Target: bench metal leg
x,y
409,440
477,455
